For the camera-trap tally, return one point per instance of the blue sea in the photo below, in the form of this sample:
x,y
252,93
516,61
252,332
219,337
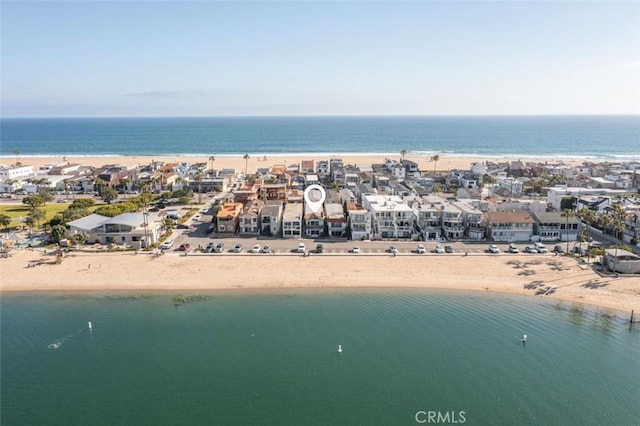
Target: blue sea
x,y
614,137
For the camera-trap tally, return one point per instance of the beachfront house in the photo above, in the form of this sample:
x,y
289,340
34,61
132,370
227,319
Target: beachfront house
x,y
292,221
427,215
249,218
313,222
472,218
452,222
391,217
359,222
509,226
228,217
336,220
271,218
552,226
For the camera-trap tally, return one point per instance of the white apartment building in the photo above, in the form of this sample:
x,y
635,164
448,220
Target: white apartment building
x,y
473,220
452,222
391,217
15,172
359,222
292,221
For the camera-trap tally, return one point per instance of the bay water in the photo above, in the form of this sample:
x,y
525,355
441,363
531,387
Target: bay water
x,y
270,358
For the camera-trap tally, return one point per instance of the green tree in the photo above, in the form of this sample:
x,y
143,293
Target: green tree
x,y
80,238
246,163
82,203
5,221
57,233
435,159
33,201
109,195
403,153
46,195
37,214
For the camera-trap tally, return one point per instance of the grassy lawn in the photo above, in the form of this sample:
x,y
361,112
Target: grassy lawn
x,y
17,211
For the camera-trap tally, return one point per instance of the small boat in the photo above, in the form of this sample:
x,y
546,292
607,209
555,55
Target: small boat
x,y
340,349
524,339
90,326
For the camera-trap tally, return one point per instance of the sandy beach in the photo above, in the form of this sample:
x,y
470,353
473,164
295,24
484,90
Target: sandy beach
x,y
516,274
446,162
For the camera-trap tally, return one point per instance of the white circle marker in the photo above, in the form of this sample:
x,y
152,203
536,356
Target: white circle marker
x,y
314,196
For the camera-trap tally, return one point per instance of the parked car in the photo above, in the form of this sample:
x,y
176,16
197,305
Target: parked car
x,y
209,248
197,217
255,249
185,247
448,249
438,249
355,249
237,248
494,248
513,248
420,249
558,249
578,250
266,249
319,248
530,249
219,248
167,244
393,249
541,248
301,248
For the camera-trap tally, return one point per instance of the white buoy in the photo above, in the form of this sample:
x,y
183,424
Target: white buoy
x,y
90,326
524,338
340,349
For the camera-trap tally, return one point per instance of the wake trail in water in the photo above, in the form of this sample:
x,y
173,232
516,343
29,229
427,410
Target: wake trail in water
x,y
59,342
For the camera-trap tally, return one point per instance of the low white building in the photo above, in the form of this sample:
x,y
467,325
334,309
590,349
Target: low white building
x,y
391,217
137,230
359,222
15,172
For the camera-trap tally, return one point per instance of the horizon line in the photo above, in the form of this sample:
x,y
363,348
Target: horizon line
x,y
321,116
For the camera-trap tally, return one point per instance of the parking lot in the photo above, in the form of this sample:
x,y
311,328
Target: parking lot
x,y
197,236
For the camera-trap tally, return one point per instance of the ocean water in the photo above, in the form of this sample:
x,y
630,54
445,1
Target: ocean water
x,y
270,358
616,137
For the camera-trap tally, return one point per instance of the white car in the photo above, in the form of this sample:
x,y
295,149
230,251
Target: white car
x,y
301,248
541,248
237,248
266,249
531,249
393,249
439,249
494,248
420,249
255,249
197,217
355,249
166,245
513,249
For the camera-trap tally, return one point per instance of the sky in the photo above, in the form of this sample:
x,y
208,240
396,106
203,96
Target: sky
x,y
206,58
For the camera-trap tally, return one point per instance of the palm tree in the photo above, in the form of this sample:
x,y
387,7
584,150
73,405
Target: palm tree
x,y
246,163
198,178
16,152
567,213
435,160
403,153
212,158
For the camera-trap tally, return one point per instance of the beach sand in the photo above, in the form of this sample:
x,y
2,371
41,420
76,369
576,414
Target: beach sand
x,y
446,162
516,274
